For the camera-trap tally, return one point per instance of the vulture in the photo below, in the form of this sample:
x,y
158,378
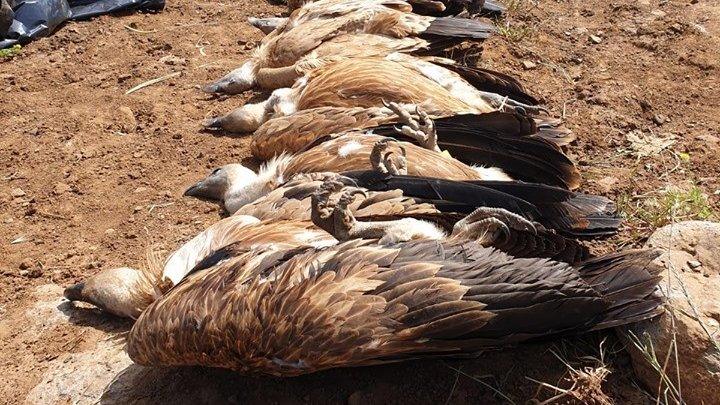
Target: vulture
x,y
509,141
368,82
283,57
437,7
301,310
578,215
390,23
284,221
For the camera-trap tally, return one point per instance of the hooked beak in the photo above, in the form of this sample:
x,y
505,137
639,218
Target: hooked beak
x,y
198,190
74,292
213,123
212,88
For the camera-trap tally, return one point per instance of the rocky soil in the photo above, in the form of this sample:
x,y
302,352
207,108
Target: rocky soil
x,y
92,178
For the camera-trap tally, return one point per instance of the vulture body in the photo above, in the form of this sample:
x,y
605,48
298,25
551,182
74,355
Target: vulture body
x,y
333,30
437,8
573,214
369,82
298,311
292,200
509,141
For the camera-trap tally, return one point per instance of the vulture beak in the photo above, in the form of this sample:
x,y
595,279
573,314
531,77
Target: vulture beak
x,y
211,88
213,123
74,292
199,190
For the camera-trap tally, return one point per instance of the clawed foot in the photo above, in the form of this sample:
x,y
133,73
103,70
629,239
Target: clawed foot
x,y
492,225
422,129
510,105
388,162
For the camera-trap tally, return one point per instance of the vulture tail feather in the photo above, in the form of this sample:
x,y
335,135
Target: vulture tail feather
x,y
459,27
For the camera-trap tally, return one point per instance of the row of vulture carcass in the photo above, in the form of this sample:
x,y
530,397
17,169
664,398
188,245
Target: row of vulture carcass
x,y
410,206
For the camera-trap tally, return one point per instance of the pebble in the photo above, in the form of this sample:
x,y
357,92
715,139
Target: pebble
x,y
173,60
659,119
126,119
529,65
26,264
110,232
607,184
61,188
694,264
17,192
595,39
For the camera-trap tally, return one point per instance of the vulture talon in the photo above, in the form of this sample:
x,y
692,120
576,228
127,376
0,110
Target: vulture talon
x,y
421,129
504,103
387,163
484,221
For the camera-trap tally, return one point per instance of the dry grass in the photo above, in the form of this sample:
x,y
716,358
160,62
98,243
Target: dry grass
x,y
584,378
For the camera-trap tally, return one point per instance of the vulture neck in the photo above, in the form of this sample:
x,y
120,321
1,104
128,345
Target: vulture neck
x,y
245,74
187,257
246,190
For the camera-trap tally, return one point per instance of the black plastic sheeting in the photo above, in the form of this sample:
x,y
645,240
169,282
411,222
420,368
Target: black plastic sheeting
x,y
39,18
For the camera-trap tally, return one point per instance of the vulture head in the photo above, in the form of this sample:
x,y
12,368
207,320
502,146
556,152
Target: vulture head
x,y
237,81
245,119
266,25
234,185
123,291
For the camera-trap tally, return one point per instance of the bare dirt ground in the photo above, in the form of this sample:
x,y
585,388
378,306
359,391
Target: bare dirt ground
x,y
91,178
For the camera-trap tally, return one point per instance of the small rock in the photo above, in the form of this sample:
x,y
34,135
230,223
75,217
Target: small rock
x,y
658,13
24,273
26,264
34,272
607,184
126,119
694,264
177,136
708,139
123,77
659,119
595,39
173,60
17,192
140,190
61,188
529,65
131,235
110,232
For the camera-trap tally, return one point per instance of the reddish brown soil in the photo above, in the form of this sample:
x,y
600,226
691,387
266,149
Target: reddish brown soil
x,y
102,173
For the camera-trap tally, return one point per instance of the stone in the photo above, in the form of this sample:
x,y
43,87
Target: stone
x,y
17,192
126,119
26,264
691,317
607,184
527,65
595,39
173,60
61,188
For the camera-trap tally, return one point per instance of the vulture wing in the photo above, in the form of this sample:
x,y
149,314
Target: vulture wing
x,y
303,310
569,213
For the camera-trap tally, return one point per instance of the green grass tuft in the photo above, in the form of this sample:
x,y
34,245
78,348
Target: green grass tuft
x,y
670,206
11,52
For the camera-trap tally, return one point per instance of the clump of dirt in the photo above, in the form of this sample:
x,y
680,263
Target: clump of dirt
x,y
92,178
